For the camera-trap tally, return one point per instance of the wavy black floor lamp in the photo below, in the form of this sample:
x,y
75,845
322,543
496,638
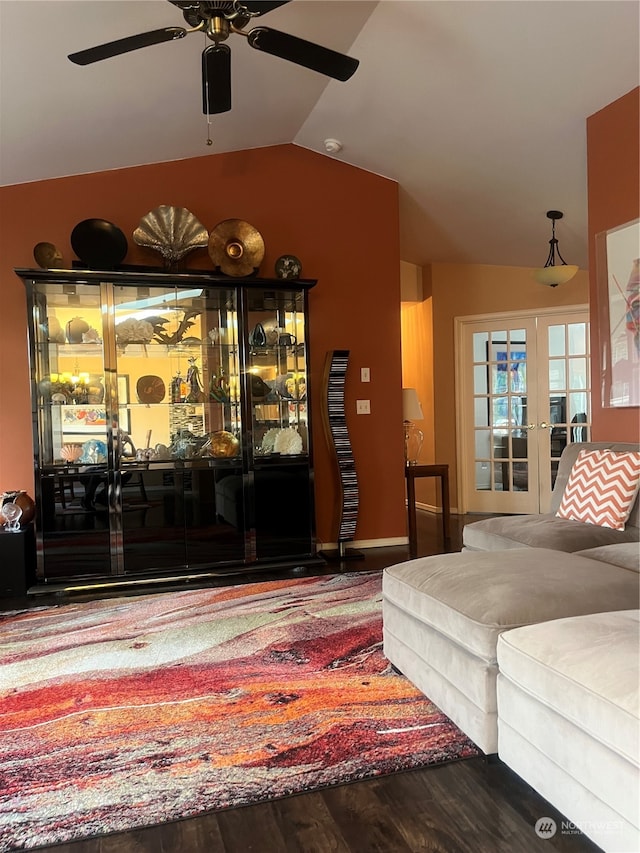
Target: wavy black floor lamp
x,y
335,424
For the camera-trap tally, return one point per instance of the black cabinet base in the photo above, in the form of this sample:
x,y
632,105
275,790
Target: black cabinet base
x,y
17,562
181,579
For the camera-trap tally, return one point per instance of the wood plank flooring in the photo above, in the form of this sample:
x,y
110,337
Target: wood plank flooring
x,y
473,806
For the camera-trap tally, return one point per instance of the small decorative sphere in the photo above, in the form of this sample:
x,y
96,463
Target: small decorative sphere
x,y
224,444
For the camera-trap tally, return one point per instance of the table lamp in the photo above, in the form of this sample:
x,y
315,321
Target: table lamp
x,y
413,436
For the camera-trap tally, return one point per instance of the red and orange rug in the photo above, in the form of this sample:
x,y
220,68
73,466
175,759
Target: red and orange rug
x,y
129,712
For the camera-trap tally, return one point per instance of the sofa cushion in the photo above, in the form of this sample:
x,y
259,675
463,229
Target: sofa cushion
x,y
540,531
626,555
569,456
586,669
471,597
602,488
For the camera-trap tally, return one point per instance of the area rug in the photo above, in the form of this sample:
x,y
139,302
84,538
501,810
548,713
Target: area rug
x,y
122,713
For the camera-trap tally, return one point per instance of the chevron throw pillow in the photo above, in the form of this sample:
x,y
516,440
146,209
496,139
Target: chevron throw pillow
x,y
602,488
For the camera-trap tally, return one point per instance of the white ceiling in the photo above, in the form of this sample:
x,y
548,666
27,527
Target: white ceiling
x,y
476,107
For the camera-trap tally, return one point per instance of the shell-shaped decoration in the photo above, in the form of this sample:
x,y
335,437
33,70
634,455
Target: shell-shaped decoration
x,y
171,231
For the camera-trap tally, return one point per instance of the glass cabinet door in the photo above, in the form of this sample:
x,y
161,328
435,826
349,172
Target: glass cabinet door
x,y
179,415
277,376
71,434
277,373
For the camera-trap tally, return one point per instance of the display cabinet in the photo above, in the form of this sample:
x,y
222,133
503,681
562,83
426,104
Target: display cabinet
x,y
171,424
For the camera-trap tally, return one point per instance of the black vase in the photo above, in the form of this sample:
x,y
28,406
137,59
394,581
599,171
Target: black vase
x,y
258,337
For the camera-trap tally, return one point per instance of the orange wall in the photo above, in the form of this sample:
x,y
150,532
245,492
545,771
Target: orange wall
x,y
613,159
341,222
460,290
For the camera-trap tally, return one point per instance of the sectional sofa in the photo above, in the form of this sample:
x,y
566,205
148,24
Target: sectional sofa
x,y
533,652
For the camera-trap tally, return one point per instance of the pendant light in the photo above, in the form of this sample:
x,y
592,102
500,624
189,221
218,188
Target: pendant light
x,y
558,271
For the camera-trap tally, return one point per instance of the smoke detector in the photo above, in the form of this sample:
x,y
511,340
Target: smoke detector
x,y
332,146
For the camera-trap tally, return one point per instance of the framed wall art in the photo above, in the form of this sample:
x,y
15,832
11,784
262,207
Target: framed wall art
x,y
84,419
618,286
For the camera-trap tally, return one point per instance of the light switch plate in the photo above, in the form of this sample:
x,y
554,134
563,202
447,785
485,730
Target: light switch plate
x,y
365,374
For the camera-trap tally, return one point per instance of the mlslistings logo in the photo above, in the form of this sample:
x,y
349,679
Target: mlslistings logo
x,y
545,827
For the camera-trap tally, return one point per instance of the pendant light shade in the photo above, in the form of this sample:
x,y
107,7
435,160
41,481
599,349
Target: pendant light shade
x,y
556,270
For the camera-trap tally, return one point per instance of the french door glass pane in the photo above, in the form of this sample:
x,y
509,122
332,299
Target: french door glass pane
x,y
481,412
483,444
480,346
556,341
578,406
557,379
480,379
577,373
483,477
577,334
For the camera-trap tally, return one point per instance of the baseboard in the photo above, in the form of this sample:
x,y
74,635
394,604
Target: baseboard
x,y
365,543
436,510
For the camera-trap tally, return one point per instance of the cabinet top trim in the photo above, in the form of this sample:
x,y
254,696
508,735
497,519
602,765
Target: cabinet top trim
x,y
203,277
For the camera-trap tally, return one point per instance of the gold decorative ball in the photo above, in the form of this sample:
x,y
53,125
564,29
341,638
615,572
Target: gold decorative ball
x,y
224,444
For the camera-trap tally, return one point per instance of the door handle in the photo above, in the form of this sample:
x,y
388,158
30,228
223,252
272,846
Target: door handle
x,y
544,425
531,426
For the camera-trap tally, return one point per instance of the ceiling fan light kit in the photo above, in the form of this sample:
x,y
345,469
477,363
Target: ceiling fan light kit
x,y
554,273
218,19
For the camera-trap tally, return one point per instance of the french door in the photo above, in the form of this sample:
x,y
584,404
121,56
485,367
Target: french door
x,y
522,394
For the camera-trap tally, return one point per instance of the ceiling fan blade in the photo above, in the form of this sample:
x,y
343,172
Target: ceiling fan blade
x,y
261,7
303,52
216,79
115,48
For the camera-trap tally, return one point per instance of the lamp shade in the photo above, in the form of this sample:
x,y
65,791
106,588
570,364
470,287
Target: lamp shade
x,y
411,408
552,276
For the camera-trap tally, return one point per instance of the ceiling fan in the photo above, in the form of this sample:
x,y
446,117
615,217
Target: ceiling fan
x,y
218,19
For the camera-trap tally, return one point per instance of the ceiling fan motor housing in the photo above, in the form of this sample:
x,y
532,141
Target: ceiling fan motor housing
x,y
215,15
218,19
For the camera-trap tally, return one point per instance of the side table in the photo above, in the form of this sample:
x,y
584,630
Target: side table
x,y
412,472
17,561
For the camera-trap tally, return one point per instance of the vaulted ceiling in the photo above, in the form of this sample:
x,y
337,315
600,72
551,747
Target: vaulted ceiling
x,y
477,108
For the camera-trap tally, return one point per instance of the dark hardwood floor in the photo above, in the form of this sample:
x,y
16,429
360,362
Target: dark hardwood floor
x,y
473,806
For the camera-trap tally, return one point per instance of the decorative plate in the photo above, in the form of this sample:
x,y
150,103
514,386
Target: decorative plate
x,y
288,266
236,247
100,244
150,389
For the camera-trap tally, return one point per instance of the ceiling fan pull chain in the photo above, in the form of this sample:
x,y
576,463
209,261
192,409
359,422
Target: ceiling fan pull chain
x,y
209,123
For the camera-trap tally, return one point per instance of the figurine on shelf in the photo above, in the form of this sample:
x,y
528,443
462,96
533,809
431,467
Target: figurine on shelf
x,y
164,337
196,394
11,514
179,388
219,387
